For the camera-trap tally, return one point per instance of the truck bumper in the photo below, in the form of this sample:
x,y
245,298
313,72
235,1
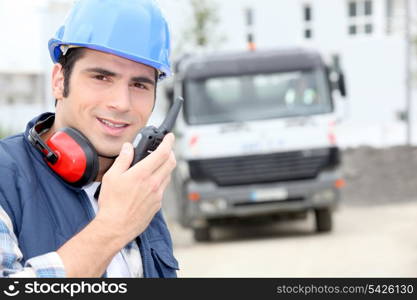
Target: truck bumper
x,y
216,202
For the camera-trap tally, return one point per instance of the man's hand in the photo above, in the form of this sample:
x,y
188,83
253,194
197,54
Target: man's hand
x,y
130,197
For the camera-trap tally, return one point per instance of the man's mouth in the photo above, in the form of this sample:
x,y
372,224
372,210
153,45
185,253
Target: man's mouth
x,y
113,124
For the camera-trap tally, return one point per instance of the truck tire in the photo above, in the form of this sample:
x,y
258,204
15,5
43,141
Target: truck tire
x,y
202,234
323,219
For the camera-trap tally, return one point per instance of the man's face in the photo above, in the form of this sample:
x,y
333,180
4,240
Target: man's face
x,y
110,99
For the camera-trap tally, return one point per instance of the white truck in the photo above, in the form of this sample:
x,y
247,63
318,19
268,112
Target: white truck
x,y
256,138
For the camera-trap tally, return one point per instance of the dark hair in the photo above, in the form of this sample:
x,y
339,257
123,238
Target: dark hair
x,y
67,62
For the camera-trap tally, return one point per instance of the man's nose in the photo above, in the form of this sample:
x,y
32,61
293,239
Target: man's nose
x,y
120,99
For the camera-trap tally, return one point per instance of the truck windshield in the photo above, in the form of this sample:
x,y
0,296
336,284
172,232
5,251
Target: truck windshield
x,y
256,97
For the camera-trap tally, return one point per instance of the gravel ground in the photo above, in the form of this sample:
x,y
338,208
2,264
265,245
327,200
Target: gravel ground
x,y
379,176
362,244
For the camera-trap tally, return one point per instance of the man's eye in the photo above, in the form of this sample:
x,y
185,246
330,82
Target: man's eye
x,y
140,85
100,77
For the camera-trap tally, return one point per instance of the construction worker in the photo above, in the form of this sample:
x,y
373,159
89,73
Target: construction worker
x,y
109,56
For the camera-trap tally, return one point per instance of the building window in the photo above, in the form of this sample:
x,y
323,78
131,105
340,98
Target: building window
x,y
368,28
368,8
352,29
352,9
249,17
360,17
395,16
307,20
307,13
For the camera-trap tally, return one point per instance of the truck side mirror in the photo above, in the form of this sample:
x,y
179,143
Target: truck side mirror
x,y
341,84
337,76
169,94
336,80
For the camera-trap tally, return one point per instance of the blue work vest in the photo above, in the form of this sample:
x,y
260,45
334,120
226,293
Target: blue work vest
x,y
46,212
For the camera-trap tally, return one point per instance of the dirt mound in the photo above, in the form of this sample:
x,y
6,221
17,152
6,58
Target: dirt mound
x,y
377,176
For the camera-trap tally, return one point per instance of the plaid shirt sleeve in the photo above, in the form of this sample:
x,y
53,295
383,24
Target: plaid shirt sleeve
x,y
46,265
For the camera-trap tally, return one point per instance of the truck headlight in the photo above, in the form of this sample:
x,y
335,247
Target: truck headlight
x,y
183,169
213,205
324,196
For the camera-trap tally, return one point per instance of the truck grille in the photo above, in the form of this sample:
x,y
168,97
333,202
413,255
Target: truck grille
x,y
283,166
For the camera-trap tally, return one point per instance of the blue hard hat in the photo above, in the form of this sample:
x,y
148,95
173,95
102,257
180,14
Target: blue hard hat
x,y
133,29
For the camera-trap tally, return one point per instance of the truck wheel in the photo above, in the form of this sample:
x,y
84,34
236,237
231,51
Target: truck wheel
x,y
323,219
202,234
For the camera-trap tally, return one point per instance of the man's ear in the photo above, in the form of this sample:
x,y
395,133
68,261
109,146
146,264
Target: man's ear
x,y
57,82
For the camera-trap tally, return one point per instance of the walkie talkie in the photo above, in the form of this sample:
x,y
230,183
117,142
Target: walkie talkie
x,y
151,136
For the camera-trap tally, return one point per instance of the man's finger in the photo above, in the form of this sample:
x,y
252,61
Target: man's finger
x,y
123,161
165,169
165,183
158,157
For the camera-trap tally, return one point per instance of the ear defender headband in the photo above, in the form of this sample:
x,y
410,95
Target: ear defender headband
x,y
67,152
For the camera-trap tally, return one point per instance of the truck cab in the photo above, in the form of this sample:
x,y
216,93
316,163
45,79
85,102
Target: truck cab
x,y
256,138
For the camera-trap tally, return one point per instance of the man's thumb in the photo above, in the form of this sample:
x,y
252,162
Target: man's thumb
x,y
123,161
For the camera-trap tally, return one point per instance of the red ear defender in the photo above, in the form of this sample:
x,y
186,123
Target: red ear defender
x,y
68,152
77,161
